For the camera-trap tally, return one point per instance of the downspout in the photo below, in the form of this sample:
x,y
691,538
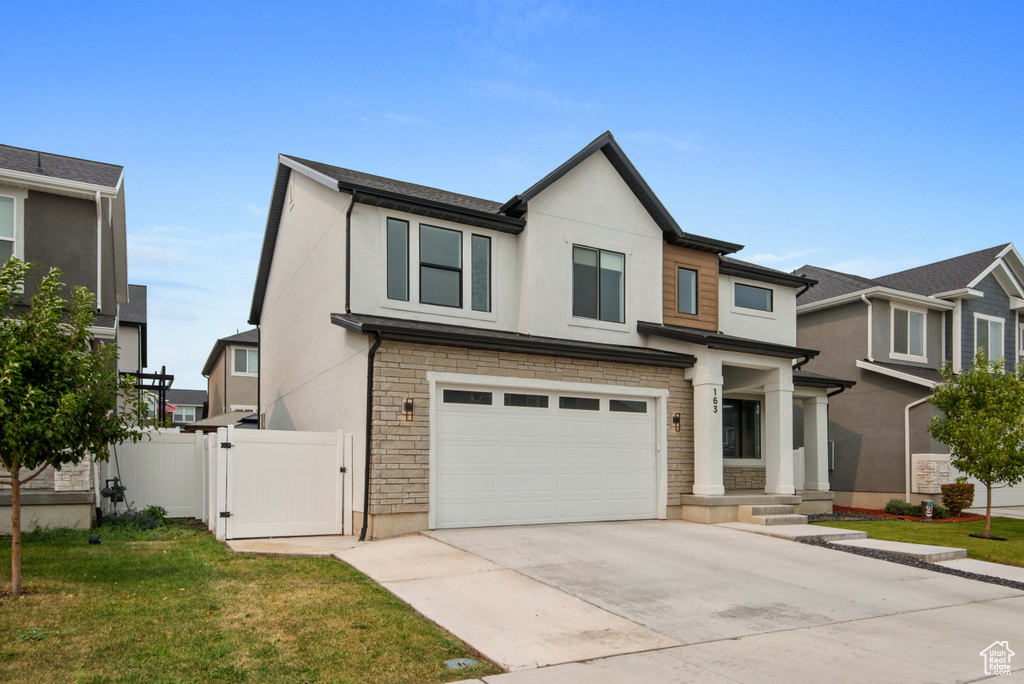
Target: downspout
x,y
369,428
807,357
906,439
99,251
259,377
806,287
868,302
838,391
348,255
227,360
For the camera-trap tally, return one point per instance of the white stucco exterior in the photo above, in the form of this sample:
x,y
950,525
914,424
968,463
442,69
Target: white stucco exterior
x,y
778,325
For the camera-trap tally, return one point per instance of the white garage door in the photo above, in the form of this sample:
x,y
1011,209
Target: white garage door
x,y
519,456
1001,496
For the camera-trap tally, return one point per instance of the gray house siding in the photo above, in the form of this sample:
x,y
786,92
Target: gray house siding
x,y
881,334
61,231
994,303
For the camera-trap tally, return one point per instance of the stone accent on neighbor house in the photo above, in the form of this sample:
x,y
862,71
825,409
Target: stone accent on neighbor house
x,y
399,482
929,472
743,478
74,478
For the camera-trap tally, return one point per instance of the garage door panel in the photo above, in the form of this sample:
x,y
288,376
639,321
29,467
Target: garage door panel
x,y
461,454
497,465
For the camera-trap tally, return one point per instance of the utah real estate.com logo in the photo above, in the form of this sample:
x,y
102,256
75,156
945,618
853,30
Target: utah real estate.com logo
x,y
997,658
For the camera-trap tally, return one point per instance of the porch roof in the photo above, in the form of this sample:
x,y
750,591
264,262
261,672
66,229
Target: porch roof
x,y
802,378
717,340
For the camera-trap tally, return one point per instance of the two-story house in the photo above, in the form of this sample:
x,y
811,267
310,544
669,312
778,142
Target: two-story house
x,y
893,334
58,211
568,355
232,376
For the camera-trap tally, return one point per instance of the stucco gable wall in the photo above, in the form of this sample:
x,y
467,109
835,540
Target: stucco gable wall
x,y
590,206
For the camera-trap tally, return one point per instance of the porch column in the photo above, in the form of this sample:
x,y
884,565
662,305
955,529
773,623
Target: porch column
x,y
778,442
816,444
707,428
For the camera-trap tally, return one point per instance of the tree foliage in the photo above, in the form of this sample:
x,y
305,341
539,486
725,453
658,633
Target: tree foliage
x,y
982,423
61,397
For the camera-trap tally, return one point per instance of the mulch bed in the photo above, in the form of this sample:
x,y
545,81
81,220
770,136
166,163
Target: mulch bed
x,y
873,514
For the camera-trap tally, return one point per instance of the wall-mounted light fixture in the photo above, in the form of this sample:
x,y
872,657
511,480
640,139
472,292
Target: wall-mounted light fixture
x,y
407,409
677,422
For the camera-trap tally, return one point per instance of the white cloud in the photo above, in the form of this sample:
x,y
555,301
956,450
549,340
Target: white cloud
x,y
686,144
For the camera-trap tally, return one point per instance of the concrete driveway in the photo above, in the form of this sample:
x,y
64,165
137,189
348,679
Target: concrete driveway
x,y
675,601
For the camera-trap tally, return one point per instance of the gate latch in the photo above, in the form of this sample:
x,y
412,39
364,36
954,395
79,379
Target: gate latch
x,y
226,445
225,514
342,469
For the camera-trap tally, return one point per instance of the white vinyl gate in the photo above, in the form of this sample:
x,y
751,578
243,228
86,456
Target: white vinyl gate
x,y
277,483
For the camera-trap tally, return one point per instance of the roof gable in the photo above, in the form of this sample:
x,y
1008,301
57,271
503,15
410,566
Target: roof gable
x,y
943,276
606,144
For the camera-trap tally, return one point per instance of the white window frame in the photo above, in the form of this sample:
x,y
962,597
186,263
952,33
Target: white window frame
x,y
18,200
247,374
899,356
413,303
183,419
588,242
744,311
1002,337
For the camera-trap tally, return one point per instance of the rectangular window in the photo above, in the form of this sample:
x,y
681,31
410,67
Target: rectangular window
x,y
750,297
686,291
598,284
6,228
467,397
908,332
440,266
398,259
627,406
185,414
247,361
527,400
741,429
579,403
481,248
988,336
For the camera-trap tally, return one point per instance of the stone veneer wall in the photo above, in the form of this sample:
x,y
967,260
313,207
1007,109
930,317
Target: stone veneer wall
x,y
401,448
743,477
70,478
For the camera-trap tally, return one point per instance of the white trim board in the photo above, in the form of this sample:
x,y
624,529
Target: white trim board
x,y
907,377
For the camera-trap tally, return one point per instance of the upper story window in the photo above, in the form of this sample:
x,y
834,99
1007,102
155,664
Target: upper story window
x,y
686,291
752,297
908,334
398,259
247,362
441,265
6,228
988,336
598,284
185,414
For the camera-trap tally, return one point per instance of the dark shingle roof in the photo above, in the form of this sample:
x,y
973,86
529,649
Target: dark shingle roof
x,y
367,180
59,166
188,397
803,378
831,284
135,309
945,275
248,337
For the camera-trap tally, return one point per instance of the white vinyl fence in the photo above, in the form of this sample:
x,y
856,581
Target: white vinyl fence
x,y
242,483
166,469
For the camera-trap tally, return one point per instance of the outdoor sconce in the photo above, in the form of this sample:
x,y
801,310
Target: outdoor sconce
x,y
407,409
676,422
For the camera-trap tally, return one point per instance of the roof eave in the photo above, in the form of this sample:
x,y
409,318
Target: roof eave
x,y
723,343
763,275
52,184
881,293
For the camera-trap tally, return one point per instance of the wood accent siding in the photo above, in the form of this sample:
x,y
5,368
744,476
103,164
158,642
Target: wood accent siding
x,y
706,265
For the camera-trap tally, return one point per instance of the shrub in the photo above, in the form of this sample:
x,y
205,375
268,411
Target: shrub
x,y
958,496
901,507
940,512
148,518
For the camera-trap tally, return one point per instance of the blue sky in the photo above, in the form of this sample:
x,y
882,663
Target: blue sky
x,y
862,136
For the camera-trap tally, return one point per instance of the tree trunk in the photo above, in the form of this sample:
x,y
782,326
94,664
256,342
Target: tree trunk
x,y
15,531
988,510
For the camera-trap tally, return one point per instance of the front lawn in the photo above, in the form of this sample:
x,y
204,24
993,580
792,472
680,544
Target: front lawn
x,y
174,605
1009,552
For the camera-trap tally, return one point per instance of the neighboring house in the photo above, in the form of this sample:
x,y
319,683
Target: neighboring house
x,y
132,337
232,373
58,211
188,405
568,355
893,334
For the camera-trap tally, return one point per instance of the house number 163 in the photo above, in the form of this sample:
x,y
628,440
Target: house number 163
x,y
714,401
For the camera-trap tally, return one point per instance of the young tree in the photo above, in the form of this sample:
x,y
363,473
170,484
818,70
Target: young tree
x,y
59,389
982,423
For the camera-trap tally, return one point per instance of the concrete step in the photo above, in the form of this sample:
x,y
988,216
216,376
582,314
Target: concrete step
x,y
797,532
776,514
790,519
930,554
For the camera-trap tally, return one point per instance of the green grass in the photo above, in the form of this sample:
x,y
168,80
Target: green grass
x,y
1009,552
174,605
